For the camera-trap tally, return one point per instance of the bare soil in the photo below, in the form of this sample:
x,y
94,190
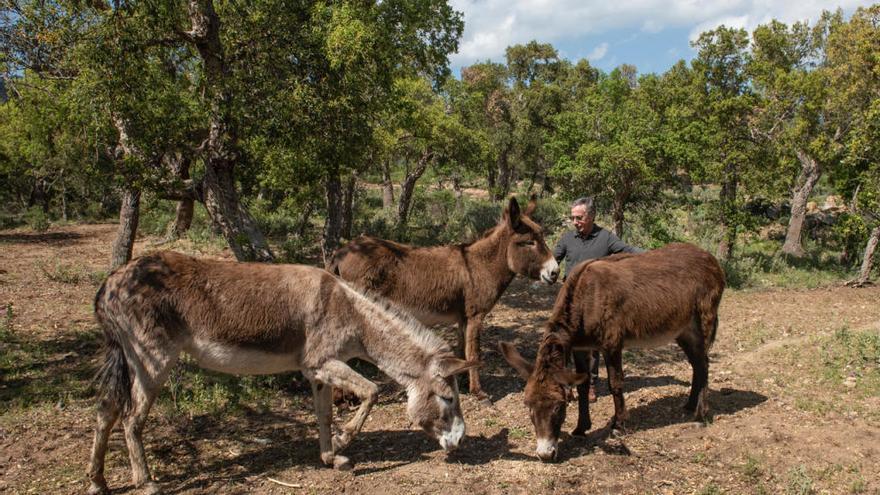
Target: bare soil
x,y
764,437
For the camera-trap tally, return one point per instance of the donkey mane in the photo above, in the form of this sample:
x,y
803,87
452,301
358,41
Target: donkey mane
x,y
419,334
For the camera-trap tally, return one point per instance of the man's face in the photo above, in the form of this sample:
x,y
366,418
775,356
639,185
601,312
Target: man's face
x,y
582,222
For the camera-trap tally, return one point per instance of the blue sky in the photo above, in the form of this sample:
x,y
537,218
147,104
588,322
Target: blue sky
x,y
650,34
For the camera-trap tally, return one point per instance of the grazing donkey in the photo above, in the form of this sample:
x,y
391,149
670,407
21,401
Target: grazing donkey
x,y
252,318
625,300
454,283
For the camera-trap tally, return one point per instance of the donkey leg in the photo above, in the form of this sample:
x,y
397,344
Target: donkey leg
x,y
581,365
322,396
692,345
152,365
339,374
472,353
614,367
108,413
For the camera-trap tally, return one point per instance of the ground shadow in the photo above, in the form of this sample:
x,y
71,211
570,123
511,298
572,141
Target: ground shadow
x,y
46,371
54,238
669,410
530,295
659,413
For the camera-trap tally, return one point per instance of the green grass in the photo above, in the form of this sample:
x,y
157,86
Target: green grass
x,y
835,372
751,468
517,433
710,489
41,373
194,391
799,482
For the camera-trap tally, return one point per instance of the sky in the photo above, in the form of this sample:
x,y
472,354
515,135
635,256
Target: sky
x,y
650,34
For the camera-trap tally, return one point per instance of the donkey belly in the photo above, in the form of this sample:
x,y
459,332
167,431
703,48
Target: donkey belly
x,y
656,339
431,318
238,360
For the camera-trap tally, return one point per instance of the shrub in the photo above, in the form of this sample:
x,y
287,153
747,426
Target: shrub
x,y
36,219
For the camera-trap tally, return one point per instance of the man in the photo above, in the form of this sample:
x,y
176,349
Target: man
x,y
586,242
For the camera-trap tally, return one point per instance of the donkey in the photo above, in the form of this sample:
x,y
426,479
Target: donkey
x,y
252,318
454,283
622,301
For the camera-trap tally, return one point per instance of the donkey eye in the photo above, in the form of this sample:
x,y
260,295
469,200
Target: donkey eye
x,y
526,243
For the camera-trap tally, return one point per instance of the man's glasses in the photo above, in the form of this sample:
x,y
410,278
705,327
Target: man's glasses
x,y
580,218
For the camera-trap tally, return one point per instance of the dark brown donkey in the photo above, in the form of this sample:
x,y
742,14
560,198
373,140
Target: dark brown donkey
x,y
455,283
253,318
622,301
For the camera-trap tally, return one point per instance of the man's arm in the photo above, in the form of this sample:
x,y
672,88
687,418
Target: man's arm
x,y
560,249
615,245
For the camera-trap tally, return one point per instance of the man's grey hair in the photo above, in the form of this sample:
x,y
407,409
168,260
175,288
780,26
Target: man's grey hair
x,y
588,202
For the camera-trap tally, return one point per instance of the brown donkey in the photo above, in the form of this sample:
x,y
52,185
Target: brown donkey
x,y
251,318
622,301
454,283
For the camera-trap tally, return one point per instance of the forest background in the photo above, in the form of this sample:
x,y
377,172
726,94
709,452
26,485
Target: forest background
x,y
285,129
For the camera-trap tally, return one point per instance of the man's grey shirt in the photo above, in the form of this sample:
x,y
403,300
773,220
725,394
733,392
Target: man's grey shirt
x,y
575,247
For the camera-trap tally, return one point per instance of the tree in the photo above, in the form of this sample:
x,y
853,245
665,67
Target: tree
x,y
537,96
792,119
606,146
488,109
854,72
724,100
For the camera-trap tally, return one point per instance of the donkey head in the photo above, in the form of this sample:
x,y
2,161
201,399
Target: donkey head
x,y
527,253
433,400
547,385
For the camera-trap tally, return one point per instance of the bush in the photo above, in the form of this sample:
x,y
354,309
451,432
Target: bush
x,y
37,219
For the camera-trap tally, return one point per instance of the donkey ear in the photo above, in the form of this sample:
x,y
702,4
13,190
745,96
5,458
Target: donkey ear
x,y
523,367
530,207
570,379
512,213
453,366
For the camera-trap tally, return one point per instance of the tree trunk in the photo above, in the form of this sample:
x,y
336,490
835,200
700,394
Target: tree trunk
x,y
547,186
806,181
129,215
40,195
304,220
333,222
387,186
185,207
490,180
407,188
617,214
867,261
64,202
503,186
728,223
348,206
221,150
457,191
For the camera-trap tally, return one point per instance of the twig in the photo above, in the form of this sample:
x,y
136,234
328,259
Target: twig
x,y
289,485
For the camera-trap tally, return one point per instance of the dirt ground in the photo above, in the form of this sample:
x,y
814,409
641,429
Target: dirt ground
x,y
777,426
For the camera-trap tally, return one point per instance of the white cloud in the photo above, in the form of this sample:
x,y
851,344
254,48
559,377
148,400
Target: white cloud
x,y
598,52
493,25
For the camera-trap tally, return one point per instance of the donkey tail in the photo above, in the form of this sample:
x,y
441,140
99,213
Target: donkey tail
x,y
112,380
712,332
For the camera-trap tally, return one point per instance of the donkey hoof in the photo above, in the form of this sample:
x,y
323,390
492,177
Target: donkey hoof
x,y
151,488
580,432
98,488
342,463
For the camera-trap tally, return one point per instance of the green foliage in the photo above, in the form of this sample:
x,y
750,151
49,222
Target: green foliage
x,y
799,482
6,323
854,356
194,391
37,219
